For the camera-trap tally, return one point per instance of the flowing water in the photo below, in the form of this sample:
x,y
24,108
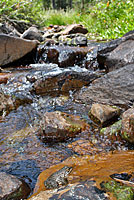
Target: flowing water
x,y
21,151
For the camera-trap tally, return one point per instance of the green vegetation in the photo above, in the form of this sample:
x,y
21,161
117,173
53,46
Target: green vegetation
x,y
121,192
104,19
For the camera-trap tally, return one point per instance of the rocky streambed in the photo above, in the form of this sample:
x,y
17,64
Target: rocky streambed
x,y
66,115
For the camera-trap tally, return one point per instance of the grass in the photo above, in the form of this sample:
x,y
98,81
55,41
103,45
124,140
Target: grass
x,y
104,20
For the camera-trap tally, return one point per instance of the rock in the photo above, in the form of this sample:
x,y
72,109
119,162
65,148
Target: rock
x,y
83,147
119,191
74,28
4,77
121,56
57,126
63,55
13,48
63,80
32,34
114,88
27,170
113,129
12,188
6,103
5,28
103,113
82,190
128,33
127,131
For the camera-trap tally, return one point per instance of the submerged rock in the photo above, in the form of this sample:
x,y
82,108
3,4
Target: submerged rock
x,y
84,147
103,113
114,88
127,131
13,48
57,126
12,188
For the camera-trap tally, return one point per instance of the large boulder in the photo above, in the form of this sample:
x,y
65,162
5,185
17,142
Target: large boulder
x,y
13,48
127,131
12,188
114,88
121,56
57,126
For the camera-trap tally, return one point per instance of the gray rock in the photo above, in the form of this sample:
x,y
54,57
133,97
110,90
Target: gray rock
x,y
13,48
12,188
115,88
121,56
32,34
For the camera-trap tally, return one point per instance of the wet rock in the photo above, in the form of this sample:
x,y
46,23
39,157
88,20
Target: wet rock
x,y
113,130
82,190
6,103
114,88
63,55
12,188
127,131
83,147
27,170
74,28
63,80
103,113
121,56
4,77
13,48
119,191
57,126
32,34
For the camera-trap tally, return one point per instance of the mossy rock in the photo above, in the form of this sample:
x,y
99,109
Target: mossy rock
x,y
121,192
114,129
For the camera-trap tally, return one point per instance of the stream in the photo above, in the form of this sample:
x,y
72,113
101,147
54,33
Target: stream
x,y
22,153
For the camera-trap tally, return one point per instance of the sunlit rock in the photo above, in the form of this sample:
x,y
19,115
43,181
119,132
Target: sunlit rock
x,y
13,48
127,131
74,28
12,188
57,126
103,113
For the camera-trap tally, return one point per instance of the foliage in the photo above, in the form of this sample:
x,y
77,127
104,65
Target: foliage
x,y
104,19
